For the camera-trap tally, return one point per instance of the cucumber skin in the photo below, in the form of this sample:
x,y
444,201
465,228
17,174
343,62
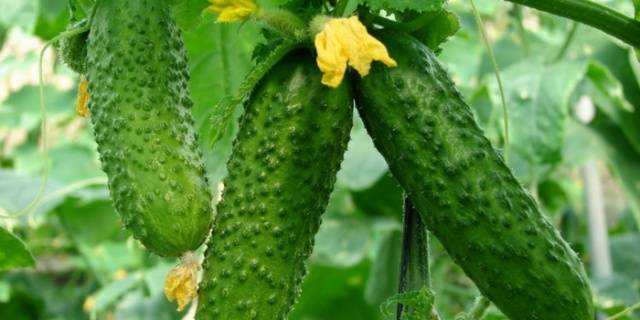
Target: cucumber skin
x,y
466,194
140,110
291,142
73,50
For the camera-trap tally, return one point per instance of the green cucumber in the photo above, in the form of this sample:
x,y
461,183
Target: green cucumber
x,y
73,49
465,193
291,142
140,110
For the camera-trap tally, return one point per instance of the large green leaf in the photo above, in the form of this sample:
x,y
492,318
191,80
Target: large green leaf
x,y
219,59
538,99
13,252
21,13
189,13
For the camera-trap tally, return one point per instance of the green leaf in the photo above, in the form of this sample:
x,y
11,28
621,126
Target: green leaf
x,y
189,13
22,14
403,5
13,252
222,113
52,18
363,165
89,223
336,294
625,254
614,292
219,58
384,198
444,25
108,258
109,295
17,191
538,100
138,305
341,242
607,94
385,270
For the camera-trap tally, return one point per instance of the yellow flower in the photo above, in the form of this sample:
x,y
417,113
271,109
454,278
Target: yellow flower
x,y
181,283
82,100
233,10
89,304
345,41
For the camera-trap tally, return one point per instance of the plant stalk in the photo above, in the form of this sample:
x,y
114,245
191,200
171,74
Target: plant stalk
x,y
593,14
414,263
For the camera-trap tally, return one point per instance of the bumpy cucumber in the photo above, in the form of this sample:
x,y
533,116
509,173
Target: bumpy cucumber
x,y
73,49
140,109
292,138
466,194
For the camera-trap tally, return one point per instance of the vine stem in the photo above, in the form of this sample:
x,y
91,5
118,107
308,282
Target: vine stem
x,y
496,70
479,308
624,312
414,262
567,42
593,14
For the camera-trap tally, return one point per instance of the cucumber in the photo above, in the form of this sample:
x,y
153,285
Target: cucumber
x,y
467,196
140,110
291,142
73,49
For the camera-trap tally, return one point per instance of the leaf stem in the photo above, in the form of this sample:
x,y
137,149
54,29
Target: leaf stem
x,y
479,309
567,42
517,12
414,263
593,14
496,70
624,312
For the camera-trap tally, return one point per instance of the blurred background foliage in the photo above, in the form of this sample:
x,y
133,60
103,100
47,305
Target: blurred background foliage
x,y
79,263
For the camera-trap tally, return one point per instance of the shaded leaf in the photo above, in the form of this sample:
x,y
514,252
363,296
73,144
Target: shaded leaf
x,y
13,252
385,270
336,294
341,242
403,5
21,13
538,100
109,295
363,165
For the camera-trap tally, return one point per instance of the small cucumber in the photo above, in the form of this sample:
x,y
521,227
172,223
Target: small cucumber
x,y
292,138
140,110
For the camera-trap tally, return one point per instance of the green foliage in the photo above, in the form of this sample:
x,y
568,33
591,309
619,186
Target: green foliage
x,y
403,5
14,252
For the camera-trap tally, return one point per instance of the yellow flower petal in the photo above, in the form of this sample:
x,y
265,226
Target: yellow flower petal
x,y
82,101
89,304
233,10
181,284
345,41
